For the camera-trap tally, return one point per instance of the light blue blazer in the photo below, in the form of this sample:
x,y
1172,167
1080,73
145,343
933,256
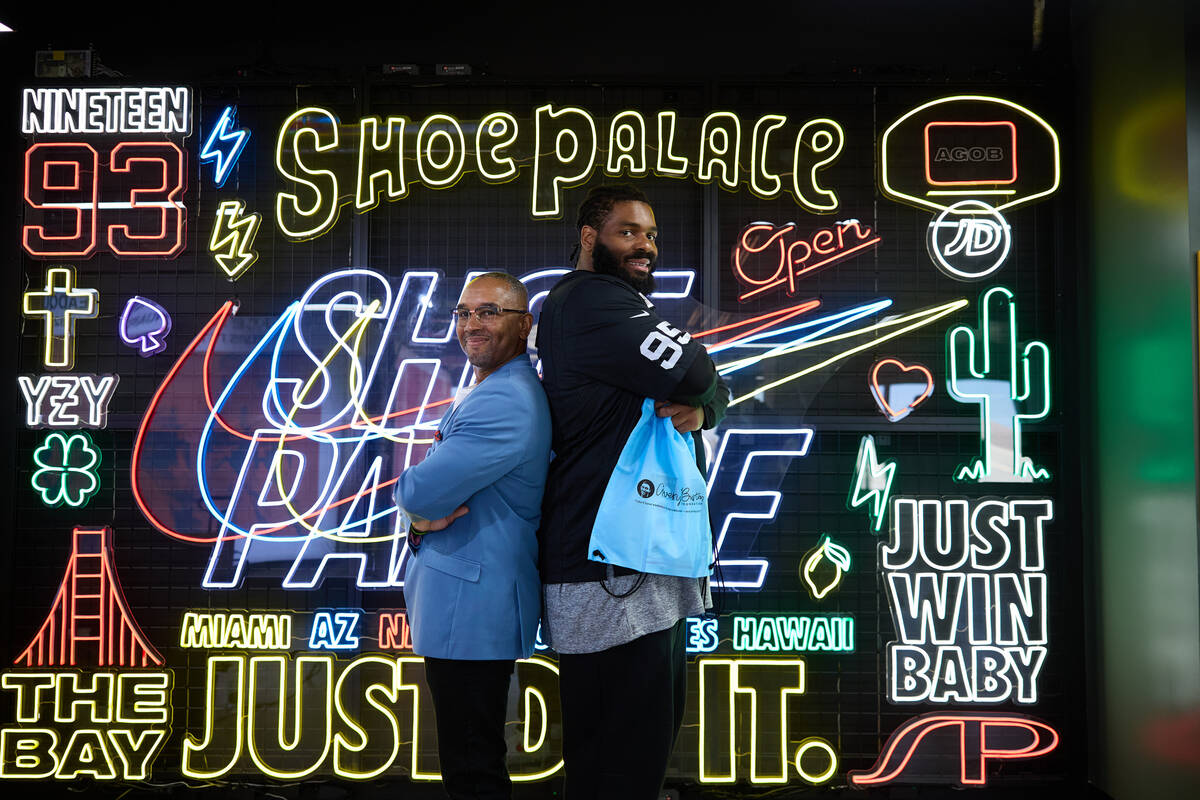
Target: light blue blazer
x,y
472,590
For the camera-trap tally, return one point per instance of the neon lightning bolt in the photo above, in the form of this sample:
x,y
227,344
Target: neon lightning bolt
x,y
233,237
224,145
872,482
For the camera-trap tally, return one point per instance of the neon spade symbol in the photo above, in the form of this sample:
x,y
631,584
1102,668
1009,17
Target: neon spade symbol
x,y
145,325
897,394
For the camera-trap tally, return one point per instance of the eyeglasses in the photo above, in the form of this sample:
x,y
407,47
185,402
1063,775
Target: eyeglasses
x,y
484,314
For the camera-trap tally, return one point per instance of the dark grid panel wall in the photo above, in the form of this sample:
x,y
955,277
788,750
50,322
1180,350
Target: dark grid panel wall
x,y
476,225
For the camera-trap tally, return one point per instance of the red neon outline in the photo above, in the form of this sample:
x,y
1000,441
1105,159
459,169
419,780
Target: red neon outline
x,y
752,320
811,267
46,165
737,249
929,178
115,230
122,644
787,259
214,324
877,393
787,313
39,230
223,312
928,723
208,401
814,241
395,632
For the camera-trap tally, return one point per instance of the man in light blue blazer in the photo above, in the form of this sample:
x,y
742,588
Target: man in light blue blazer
x,y
474,503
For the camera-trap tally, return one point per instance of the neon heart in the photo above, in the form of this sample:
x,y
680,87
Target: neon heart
x,y
882,398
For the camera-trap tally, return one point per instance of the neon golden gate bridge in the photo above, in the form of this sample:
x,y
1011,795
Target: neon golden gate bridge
x,y
90,623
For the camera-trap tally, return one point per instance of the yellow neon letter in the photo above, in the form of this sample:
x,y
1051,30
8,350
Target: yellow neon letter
x,y
29,687
371,684
316,217
443,172
274,749
68,693
501,127
716,721
720,143
135,754
86,754
143,697
721,679
823,138
410,684
770,184
760,678
366,196
627,143
28,753
536,759
668,162
219,751
574,148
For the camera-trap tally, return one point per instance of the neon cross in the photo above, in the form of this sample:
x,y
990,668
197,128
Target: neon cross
x,y
60,304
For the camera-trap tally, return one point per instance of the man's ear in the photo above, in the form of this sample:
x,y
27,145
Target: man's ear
x,y
587,238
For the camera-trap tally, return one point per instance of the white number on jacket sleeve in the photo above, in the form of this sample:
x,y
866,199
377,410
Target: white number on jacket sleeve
x,y
664,344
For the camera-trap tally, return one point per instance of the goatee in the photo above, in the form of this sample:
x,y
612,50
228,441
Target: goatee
x,y
605,262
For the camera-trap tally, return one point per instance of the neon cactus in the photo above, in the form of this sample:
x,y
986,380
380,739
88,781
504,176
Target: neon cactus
x,y
1007,388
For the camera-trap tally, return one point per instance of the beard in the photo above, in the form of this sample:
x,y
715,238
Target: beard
x,y
605,262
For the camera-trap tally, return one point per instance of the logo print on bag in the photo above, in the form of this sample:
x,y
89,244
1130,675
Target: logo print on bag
x,y
645,488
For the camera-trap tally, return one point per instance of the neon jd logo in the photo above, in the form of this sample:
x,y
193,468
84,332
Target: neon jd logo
x,y
645,488
969,240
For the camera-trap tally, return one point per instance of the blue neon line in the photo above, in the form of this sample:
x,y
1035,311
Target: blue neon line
x,y
202,449
272,333
850,315
828,324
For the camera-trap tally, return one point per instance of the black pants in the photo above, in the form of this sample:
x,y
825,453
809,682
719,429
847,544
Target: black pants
x,y
470,699
621,710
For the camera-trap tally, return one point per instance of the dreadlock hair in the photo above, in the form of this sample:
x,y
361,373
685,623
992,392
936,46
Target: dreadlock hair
x,y
596,207
598,204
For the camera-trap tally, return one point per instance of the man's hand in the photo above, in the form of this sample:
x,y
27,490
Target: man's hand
x,y
685,418
439,524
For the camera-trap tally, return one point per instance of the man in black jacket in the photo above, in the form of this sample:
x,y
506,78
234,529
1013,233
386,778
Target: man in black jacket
x,y
620,635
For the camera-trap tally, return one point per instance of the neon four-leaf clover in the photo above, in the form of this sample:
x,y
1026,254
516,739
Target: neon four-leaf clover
x,y
66,469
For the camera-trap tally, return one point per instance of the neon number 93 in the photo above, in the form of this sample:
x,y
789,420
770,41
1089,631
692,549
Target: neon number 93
x,y
64,184
60,181
664,344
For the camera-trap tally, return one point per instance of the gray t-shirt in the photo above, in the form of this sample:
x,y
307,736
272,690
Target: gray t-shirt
x,y
584,618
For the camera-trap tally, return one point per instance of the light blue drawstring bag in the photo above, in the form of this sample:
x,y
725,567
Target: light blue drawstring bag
x,y
654,514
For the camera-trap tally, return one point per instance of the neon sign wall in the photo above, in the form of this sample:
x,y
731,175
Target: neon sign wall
x,y
967,586
227,383
564,151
